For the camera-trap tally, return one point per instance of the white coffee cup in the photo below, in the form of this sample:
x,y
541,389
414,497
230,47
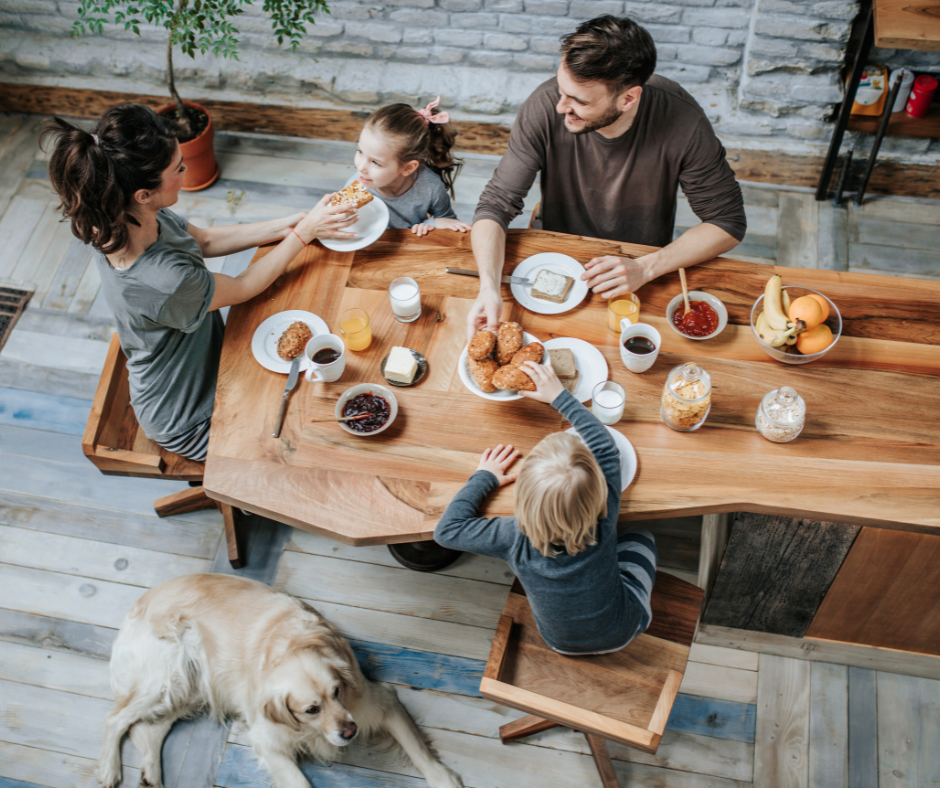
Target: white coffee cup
x,y
325,373
638,362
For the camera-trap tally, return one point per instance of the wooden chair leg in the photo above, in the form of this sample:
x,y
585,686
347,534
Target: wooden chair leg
x,y
189,500
234,539
524,726
605,767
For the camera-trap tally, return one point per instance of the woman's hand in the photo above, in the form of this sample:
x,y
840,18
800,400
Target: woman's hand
x,y
547,384
446,223
327,221
290,222
497,462
421,229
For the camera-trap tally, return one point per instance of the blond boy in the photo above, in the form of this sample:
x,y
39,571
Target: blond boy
x,y
589,593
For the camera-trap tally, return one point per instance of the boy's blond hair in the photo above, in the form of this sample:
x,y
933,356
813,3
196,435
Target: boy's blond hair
x,y
560,494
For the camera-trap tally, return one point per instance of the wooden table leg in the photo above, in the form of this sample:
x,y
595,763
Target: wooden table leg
x,y
525,726
190,500
234,539
605,766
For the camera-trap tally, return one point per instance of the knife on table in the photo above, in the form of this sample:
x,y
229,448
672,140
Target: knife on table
x,y
291,382
507,280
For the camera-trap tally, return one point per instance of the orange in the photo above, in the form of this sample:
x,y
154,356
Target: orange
x,y
814,340
808,310
823,303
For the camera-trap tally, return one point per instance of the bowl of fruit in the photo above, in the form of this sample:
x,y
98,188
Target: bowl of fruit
x,y
794,325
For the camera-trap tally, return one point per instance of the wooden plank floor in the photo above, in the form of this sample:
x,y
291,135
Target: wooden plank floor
x,y
77,548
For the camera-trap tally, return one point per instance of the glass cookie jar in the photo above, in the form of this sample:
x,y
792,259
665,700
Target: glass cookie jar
x,y
781,415
687,398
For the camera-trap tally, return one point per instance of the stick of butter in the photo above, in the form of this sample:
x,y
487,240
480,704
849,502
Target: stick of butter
x,y
401,365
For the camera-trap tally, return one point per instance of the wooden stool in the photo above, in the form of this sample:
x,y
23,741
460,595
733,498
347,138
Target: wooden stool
x,y
116,444
626,696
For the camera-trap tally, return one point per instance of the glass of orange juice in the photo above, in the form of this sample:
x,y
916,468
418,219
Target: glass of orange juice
x,y
355,329
623,306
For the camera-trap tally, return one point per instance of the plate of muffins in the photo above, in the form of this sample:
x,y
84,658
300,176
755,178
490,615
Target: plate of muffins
x,y
489,365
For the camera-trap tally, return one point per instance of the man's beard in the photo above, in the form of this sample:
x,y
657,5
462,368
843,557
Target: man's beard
x,y
612,115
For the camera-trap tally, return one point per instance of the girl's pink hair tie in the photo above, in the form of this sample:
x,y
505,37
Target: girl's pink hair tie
x,y
440,117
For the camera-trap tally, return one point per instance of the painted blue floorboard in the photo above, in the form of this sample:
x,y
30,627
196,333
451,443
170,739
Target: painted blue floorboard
x,y
6,782
239,769
39,411
720,719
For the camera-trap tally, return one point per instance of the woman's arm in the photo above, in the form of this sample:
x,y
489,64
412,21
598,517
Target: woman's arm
x,y
232,238
323,221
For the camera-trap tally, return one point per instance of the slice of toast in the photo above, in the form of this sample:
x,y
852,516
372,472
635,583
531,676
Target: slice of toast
x,y
550,286
571,383
563,362
354,194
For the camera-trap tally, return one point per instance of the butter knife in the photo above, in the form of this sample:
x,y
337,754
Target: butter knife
x,y
507,280
291,382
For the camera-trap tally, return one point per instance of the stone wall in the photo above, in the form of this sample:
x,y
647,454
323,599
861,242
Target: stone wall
x,y
764,70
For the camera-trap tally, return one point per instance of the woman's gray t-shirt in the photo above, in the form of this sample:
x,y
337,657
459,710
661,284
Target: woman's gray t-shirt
x,y
171,340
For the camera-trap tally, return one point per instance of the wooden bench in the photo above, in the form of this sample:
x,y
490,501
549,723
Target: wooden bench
x,y
626,696
116,444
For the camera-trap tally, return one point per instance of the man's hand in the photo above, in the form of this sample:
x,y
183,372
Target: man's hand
x,y
547,384
484,313
613,276
497,462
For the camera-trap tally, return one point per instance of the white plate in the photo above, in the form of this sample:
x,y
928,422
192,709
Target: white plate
x,y
264,341
628,463
373,221
559,264
590,363
463,368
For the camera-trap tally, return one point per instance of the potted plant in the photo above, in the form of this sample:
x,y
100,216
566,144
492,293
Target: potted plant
x,y
192,25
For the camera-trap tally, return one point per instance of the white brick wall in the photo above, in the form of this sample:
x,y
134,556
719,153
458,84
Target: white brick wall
x,y
760,68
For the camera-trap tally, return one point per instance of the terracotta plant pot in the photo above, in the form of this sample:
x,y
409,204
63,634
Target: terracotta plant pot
x,y
202,170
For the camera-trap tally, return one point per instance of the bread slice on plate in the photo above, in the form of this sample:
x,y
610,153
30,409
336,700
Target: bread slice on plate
x,y
563,362
571,383
550,286
354,194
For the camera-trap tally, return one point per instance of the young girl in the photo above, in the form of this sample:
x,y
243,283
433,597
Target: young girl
x,y
115,186
589,591
404,157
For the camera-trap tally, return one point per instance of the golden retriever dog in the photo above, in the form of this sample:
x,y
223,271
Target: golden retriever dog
x,y
239,649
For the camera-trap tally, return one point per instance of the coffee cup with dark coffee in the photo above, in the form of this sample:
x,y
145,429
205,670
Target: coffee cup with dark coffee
x,y
639,345
326,357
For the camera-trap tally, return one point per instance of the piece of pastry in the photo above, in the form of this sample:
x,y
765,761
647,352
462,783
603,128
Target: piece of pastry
x,y
571,383
482,344
511,378
550,286
355,194
293,341
508,341
483,373
562,360
534,351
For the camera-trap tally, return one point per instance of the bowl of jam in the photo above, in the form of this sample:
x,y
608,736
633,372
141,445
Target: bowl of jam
x,y
707,319
376,403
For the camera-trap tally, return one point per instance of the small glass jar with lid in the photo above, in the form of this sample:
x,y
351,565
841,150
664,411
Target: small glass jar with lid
x,y
687,397
781,415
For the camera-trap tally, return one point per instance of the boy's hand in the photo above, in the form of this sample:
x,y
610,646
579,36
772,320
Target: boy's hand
x,y
421,229
547,384
497,462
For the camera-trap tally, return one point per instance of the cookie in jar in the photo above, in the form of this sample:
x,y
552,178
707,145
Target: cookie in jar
x,y
687,398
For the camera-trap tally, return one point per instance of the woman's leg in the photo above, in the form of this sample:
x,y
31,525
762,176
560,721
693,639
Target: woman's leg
x,y
193,444
637,557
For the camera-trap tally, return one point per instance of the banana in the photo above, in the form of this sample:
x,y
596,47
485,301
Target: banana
x,y
791,340
773,304
785,300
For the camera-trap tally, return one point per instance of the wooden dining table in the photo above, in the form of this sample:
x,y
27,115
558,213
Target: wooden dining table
x,y
869,453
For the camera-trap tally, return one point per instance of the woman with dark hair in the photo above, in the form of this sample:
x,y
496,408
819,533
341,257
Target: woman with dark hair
x,y
115,186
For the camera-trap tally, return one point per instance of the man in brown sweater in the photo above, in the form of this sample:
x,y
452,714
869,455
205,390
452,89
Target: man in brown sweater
x,y
611,143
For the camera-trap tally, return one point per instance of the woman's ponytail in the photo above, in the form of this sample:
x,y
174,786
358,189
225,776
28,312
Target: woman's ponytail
x,y
96,175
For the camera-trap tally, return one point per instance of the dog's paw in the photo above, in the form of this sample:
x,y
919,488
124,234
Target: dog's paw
x,y
146,782
442,777
108,773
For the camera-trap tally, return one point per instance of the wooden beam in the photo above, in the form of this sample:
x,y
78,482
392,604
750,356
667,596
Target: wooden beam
x,y
189,500
605,767
525,726
757,166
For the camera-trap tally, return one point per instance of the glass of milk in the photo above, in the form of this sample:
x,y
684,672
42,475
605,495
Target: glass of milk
x,y
607,402
406,299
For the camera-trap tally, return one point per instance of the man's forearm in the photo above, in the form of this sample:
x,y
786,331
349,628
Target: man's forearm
x,y
488,241
696,245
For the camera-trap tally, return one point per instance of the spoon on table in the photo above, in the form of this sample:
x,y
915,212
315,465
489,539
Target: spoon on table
x,y
344,418
685,292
